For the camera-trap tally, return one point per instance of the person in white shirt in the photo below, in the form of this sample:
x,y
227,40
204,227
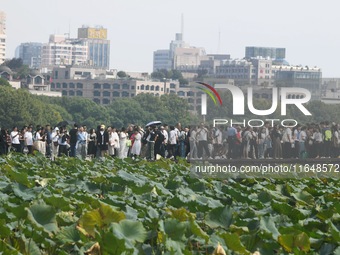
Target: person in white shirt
x,y
116,141
123,149
55,144
302,139
28,137
173,142
287,140
137,144
317,138
15,139
217,141
296,136
165,132
193,143
202,138
246,137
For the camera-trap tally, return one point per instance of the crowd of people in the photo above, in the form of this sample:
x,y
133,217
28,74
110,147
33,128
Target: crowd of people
x,y
195,142
309,141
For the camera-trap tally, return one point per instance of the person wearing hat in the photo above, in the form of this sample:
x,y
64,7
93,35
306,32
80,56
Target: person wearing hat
x,y
55,144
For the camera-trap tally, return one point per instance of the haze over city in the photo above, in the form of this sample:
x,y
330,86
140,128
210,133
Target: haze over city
x,y
137,28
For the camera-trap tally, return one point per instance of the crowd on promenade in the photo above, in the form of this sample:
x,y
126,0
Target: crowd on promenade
x,y
195,142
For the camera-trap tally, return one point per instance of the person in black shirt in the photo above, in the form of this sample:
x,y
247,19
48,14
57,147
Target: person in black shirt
x,y
3,142
159,145
151,139
102,141
73,140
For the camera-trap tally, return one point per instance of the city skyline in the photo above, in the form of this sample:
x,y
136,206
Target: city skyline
x,y
137,29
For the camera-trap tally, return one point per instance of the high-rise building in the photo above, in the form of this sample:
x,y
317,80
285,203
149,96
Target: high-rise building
x,y
30,53
98,45
188,59
62,51
2,37
162,60
301,77
265,52
256,71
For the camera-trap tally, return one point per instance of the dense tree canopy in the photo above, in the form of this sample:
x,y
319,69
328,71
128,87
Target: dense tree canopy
x,y
18,107
121,74
169,74
4,82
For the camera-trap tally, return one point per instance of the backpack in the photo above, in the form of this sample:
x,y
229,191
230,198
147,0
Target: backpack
x,y
328,135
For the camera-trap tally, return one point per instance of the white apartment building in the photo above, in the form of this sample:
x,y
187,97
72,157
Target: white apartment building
x,y
2,37
61,51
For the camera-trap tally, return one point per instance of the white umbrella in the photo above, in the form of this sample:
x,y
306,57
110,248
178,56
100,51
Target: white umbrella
x,y
153,123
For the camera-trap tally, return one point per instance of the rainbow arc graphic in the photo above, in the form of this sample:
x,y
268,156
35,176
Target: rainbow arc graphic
x,y
211,91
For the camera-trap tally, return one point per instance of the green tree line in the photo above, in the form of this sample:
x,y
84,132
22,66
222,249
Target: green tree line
x,y
19,107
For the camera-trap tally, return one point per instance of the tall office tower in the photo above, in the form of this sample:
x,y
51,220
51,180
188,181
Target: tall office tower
x,y
30,53
98,45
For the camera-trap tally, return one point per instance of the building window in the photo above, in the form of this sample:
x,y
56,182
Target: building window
x,y
79,85
58,85
79,93
137,87
52,85
172,92
157,88
142,87
132,87
72,86
38,80
125,94
56,75
152,88
106,86
125,86
181,93
147,87
96,93
106,101
64,93
96,100
66,75
157,94
97,86
106,94
190,94
71,93
64,85
172,85
116,86
116,94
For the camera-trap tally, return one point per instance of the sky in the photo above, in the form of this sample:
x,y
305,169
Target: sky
x,y
307,29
